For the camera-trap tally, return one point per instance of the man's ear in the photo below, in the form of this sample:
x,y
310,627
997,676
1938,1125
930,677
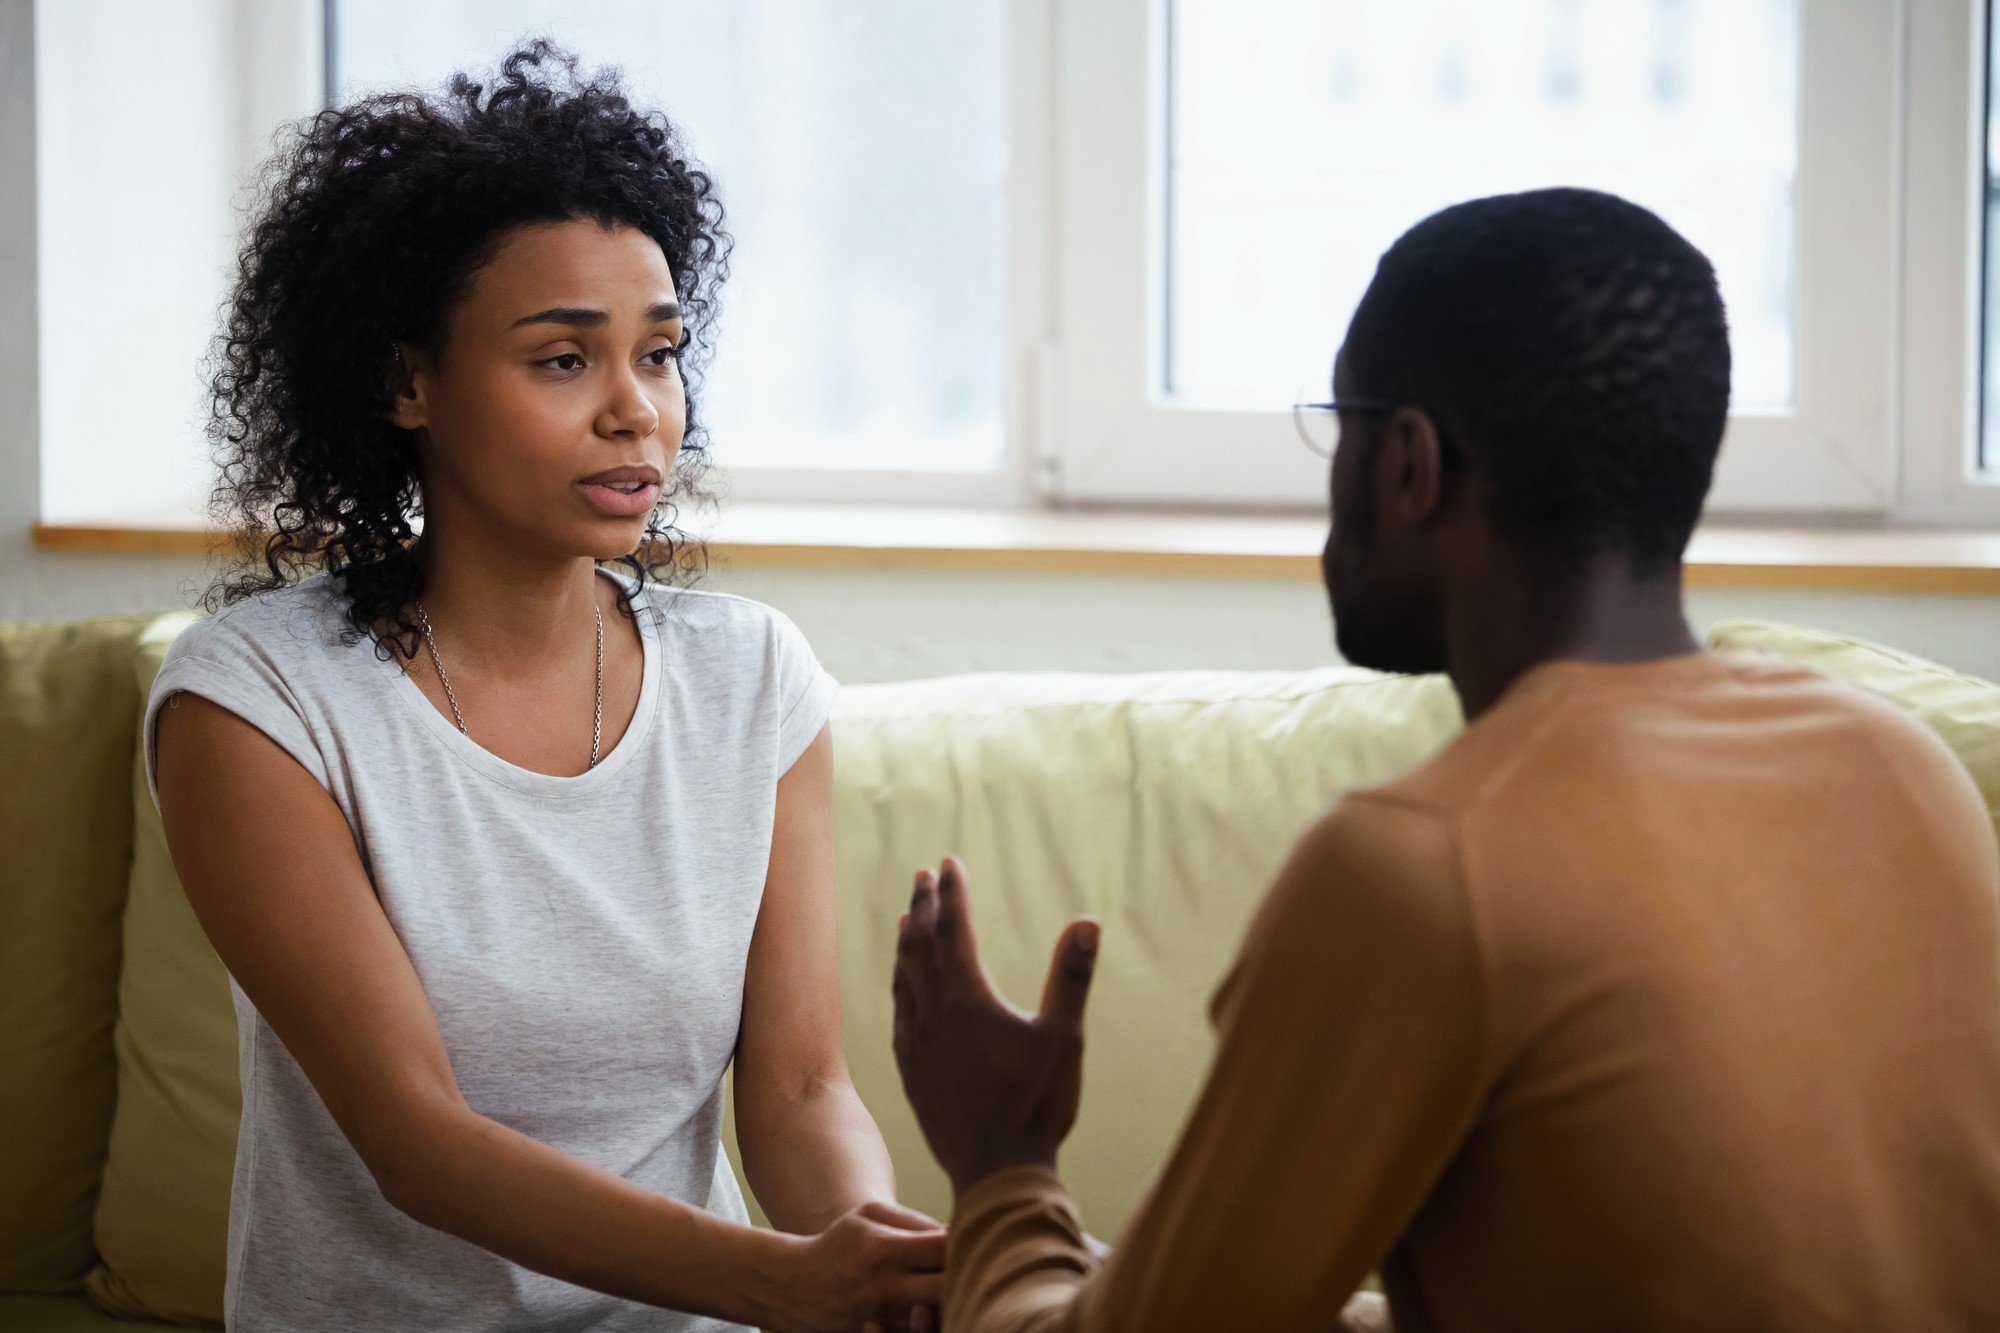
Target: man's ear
x,y
1413,464
408,376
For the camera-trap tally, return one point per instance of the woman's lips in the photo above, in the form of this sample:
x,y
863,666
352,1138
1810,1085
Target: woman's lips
x,y
620,504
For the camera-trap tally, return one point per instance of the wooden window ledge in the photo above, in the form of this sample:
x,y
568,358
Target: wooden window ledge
x,y
1179,546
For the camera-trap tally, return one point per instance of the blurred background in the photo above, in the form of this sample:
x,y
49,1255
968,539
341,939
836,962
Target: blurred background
x,y
1024,290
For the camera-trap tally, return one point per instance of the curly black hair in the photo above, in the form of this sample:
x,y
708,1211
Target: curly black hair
x,y
1577,346
374,218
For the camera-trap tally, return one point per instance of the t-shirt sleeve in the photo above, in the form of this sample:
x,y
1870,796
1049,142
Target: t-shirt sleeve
x,y
1348,1071
805,692
229,667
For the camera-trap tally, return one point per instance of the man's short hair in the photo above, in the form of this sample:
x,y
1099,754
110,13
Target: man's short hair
x,y
1575,347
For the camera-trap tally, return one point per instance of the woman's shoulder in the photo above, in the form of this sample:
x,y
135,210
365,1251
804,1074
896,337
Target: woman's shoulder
x,y
264,658
297,624
722,623
743,647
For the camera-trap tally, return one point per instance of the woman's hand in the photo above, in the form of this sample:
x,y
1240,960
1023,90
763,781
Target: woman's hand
x,y
879,1267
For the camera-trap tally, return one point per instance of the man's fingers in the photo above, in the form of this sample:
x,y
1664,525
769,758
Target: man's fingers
x,y
924,905
1069,975
916,943
954,910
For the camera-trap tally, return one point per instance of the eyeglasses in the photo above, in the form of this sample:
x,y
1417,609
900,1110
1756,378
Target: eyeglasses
x,y
1318,424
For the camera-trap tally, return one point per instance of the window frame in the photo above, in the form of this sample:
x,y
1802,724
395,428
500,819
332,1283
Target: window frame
x,y
1887,291
1942,261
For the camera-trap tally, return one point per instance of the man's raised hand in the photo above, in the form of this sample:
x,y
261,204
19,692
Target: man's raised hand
x,y
992,1087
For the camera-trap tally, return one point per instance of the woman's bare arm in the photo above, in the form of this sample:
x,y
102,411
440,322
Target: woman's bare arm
x,y
271,870
810,1148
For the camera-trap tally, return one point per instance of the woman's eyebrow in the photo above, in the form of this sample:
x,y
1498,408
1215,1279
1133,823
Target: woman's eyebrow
x,y
580,317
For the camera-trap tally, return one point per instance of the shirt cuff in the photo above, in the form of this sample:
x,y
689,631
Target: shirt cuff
x,y
1013,1184
1017,1257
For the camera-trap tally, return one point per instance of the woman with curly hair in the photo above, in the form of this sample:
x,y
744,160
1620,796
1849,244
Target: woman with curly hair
x,y
509,856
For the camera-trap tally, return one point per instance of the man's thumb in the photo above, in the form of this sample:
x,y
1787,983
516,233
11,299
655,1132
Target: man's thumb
x,y
1069,975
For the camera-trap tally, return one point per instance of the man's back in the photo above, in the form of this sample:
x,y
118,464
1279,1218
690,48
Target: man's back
x,y
1666,998
1739,1000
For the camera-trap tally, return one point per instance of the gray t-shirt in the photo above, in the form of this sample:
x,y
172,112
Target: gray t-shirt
x,y
582,941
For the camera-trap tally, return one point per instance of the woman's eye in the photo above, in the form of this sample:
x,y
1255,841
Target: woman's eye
x,y
659,356
566,361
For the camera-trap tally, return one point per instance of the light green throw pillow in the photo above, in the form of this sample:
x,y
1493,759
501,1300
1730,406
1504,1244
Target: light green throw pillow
x,y
163,1215
1963,710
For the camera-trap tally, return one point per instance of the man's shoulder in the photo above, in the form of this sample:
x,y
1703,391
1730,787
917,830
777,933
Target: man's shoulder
x,y
1567,720
1382,849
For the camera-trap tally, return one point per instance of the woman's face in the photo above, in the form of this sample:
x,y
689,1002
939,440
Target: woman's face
x,y
550,419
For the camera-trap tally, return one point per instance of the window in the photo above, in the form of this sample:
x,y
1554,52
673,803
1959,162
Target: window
x,y
1002,252
136,231
1283,187
1268,153
860,155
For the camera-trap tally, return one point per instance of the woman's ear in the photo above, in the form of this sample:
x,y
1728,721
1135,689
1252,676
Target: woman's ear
x,y
407,378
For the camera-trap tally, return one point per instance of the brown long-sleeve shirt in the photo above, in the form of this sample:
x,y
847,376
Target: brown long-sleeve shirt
x,y
1667,997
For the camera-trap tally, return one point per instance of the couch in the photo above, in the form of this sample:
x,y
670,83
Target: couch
x,y
1161,803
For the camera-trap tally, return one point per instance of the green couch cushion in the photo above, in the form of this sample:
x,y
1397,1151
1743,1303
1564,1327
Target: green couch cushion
x,y
67,713
163,1214
1963,710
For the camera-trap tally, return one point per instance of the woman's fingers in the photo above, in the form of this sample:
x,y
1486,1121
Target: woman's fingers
x,y
920,1252
923,1289
923,1319
895,1215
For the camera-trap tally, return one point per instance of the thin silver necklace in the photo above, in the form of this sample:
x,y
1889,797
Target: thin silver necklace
x,y
597,714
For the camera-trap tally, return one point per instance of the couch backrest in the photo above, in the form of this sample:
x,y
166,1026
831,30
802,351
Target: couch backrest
x,y
67,714
1161,804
